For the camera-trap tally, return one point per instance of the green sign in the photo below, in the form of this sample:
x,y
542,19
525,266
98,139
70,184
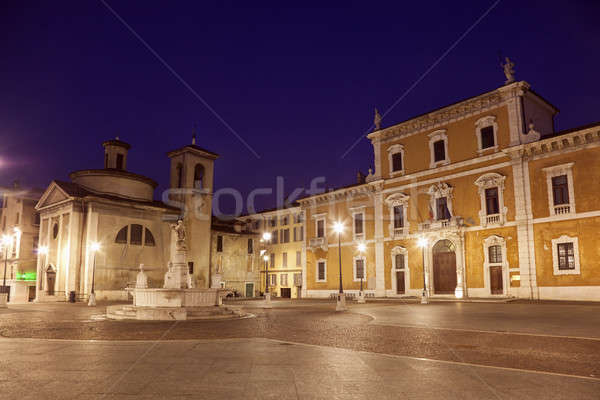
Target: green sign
x,y
26,276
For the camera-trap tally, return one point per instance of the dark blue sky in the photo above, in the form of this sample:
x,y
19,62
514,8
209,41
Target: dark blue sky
x,y
298,83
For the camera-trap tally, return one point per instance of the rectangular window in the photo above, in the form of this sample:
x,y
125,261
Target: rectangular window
x,y
321,270
284,259
495,254
442,210
301,234
439,151
274,237
36,219
273,279
298,279
219,243
358,224
250,246
285,235
284,279
298,218
399,258
560,190
136,234
321,228
272,262
256,225
273,222
566,256
284,220
18,218
487,137
491,201
396,162
398,217
190,267
298,259
360,269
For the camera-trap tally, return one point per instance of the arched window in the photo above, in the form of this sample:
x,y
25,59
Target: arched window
x,y
198,176
135,238
122,235
148,238
179,172
444,246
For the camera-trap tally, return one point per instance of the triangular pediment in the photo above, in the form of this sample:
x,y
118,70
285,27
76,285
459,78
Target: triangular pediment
x,y
53,195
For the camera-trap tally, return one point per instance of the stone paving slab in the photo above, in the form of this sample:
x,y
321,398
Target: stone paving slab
x,y
240,369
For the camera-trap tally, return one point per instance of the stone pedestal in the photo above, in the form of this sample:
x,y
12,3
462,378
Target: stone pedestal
x,y
216,280
3,297
341,302
267,302
177,277
361,298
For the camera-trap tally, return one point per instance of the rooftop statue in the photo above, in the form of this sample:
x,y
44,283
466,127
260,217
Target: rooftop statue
x,y
509,71
377,120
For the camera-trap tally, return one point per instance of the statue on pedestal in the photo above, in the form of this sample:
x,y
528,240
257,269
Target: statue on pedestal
x,y
179,237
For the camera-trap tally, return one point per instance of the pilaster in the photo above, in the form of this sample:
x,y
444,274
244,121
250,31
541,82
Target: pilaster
x,y
379,253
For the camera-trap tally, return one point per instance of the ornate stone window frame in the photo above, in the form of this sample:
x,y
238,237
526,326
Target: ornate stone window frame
x,y
393,200
438,190
364,259
495,240
557,170
355,211
555,243
400,250
488,181
320,217
435,136
484,122
395,149
324,261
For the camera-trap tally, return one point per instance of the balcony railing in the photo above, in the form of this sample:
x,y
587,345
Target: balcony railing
x,y
492,219
318,242
562,209
451,223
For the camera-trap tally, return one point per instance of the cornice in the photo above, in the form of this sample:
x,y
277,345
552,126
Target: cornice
x,y
343,193
452,112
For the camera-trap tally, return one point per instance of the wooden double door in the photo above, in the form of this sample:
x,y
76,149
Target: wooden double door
x,y
444,272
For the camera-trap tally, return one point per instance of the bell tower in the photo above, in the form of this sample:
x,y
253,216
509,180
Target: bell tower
x,y
191,188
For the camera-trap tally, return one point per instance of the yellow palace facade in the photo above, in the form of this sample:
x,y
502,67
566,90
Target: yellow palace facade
x,y
481,198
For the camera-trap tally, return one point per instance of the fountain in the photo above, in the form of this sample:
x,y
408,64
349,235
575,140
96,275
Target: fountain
x,y
177,299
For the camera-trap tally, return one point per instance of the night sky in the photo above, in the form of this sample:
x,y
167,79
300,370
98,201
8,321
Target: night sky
x,y
297,83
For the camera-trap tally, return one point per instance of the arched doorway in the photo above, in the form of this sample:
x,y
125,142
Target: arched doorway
x,y
444,267
50,280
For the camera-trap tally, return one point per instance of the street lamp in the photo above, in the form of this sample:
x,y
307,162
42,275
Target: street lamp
x,y
94,247
5,243
338,227
422,243
266,237
361,295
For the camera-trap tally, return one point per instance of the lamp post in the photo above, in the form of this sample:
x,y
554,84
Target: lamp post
x,y
422,243
266,237
338,227
5,243
361,295
95,246
43,251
